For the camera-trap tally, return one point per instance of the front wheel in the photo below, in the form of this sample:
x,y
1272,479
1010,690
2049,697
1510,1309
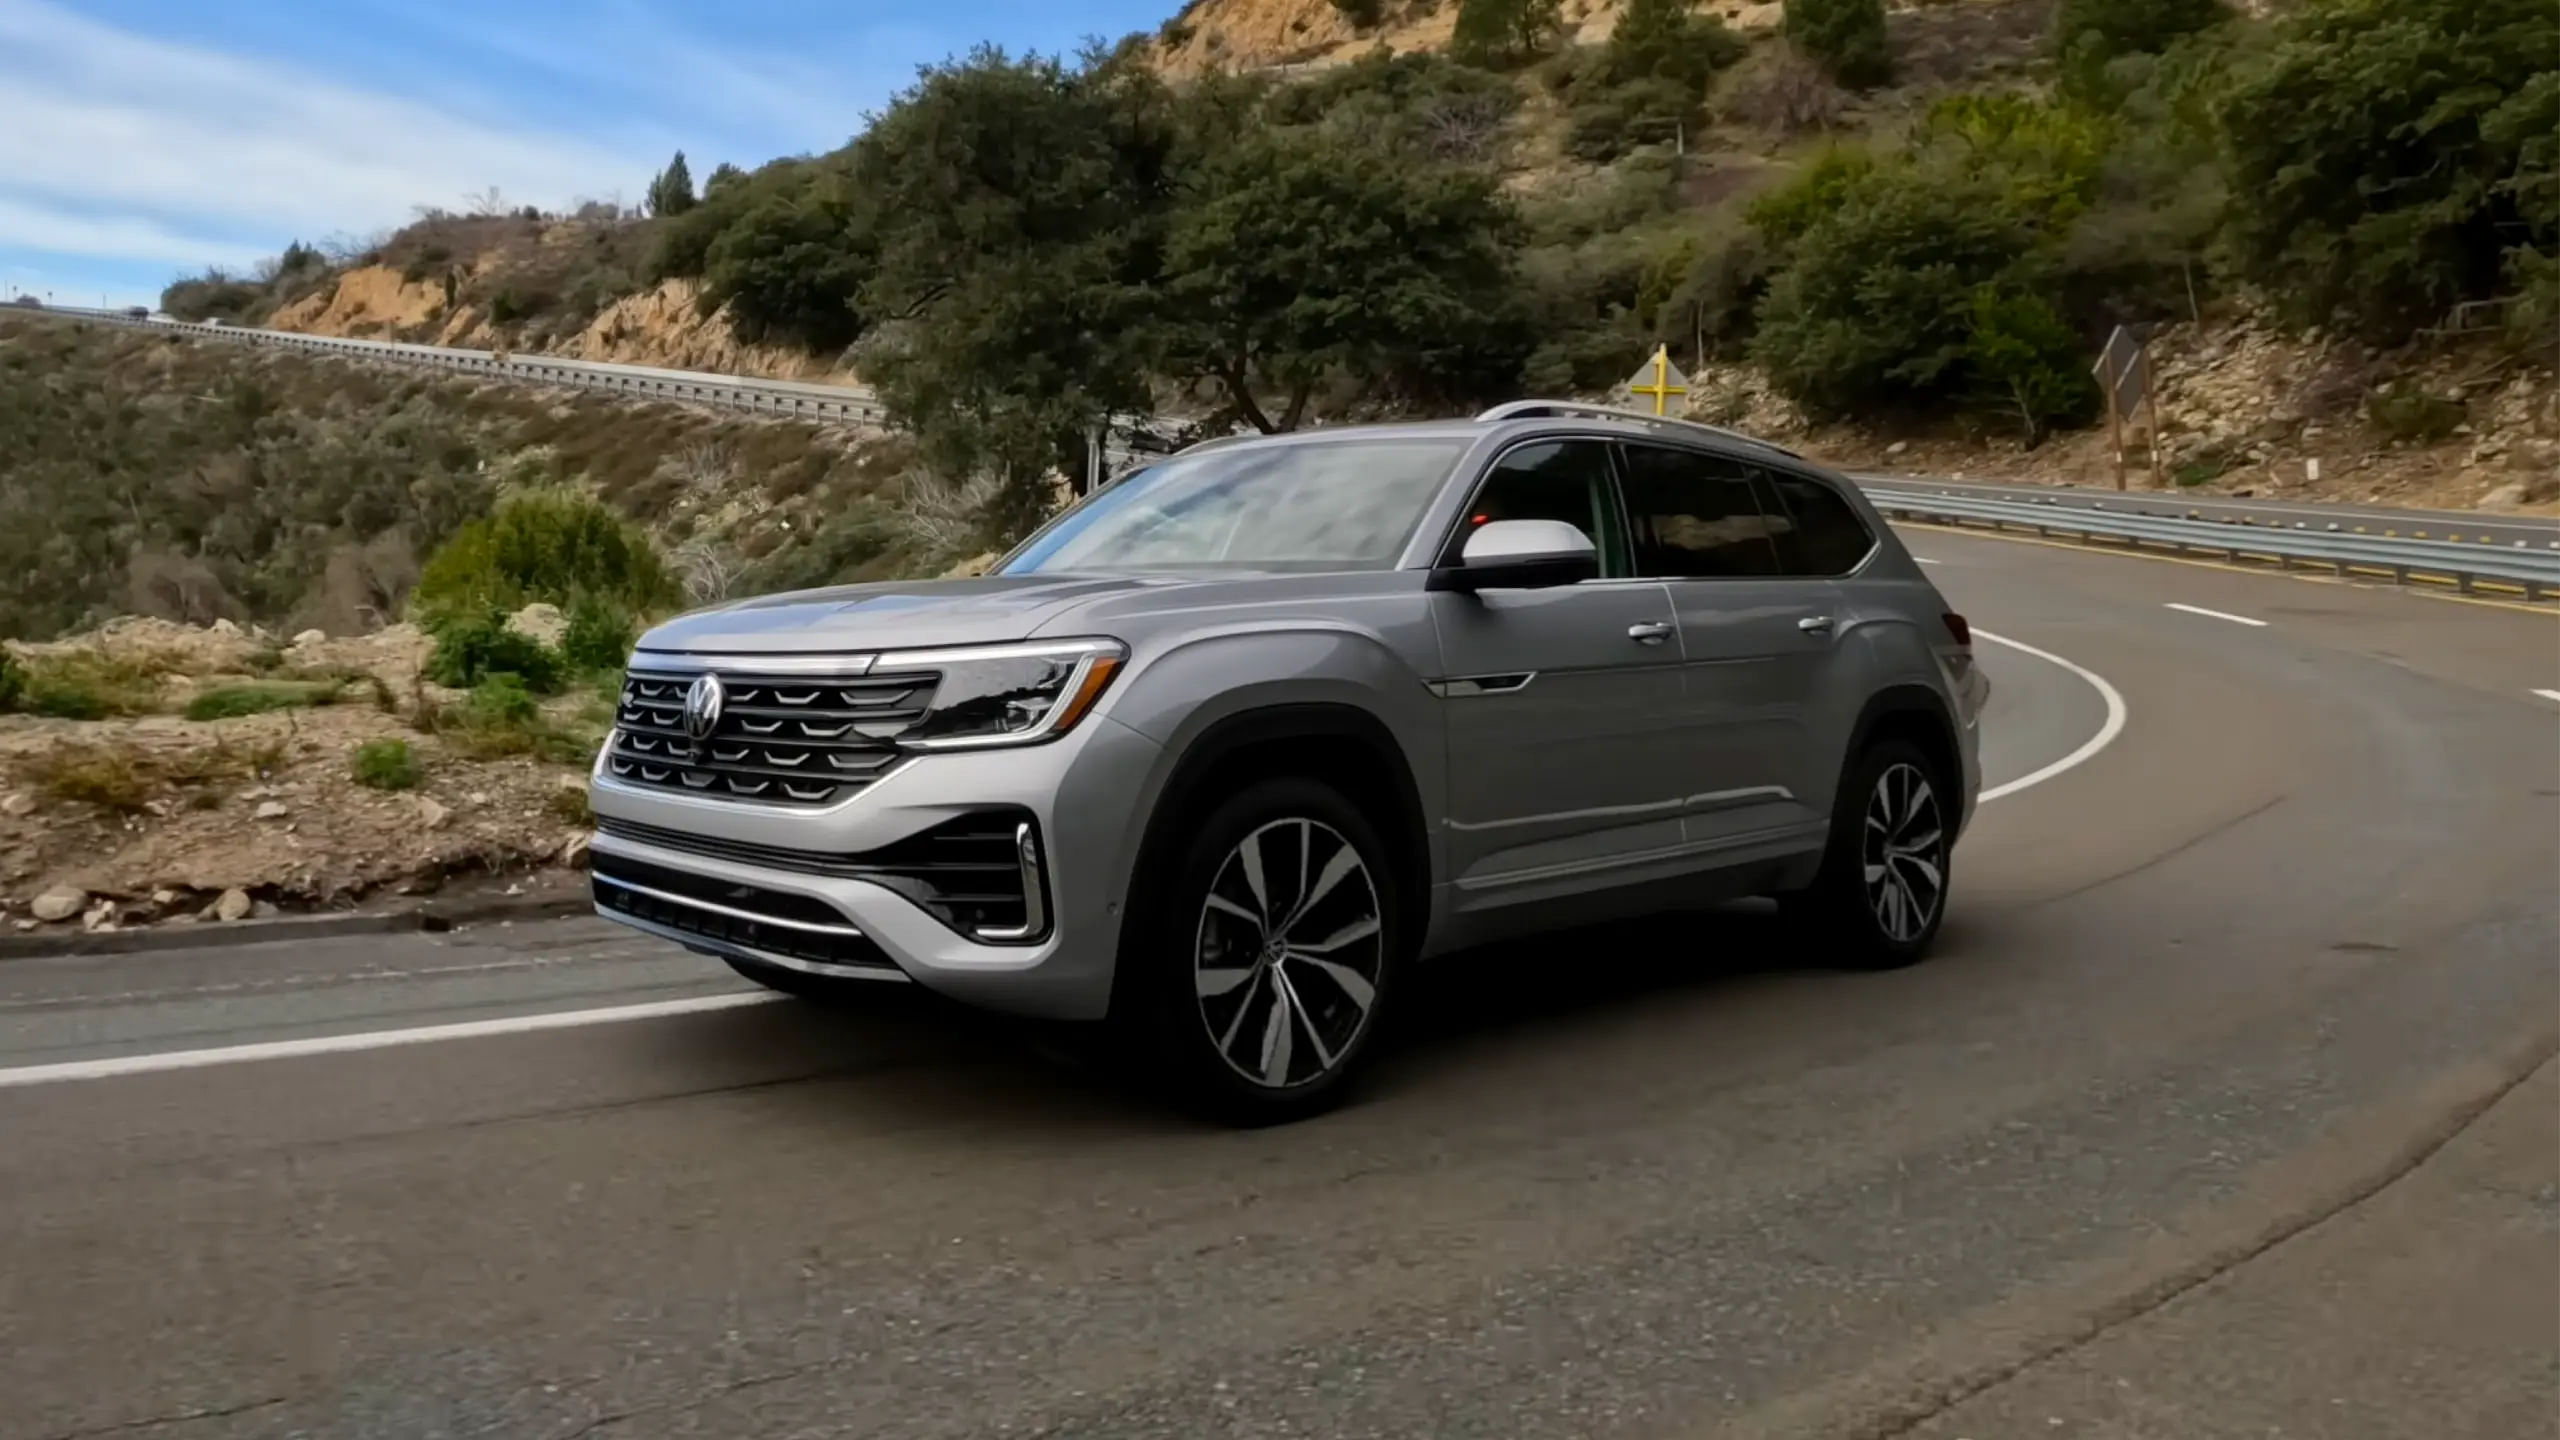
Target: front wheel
x,y
1881,894
1260,980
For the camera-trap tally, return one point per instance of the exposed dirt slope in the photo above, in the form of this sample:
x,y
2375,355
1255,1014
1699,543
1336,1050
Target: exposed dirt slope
x,y
1262,34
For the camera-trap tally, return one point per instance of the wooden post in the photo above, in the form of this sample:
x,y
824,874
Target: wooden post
x,y
2115,425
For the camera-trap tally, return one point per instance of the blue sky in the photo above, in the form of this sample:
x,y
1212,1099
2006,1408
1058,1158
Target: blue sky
x,y
141,139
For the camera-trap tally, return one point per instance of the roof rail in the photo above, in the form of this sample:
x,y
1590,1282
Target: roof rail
x,y
1533,409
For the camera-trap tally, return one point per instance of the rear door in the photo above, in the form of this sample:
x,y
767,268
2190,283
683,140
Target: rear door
x,y
1564,706
1754,638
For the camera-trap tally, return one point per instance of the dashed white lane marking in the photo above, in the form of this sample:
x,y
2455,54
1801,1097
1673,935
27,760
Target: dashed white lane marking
x,y
2105,737
1923,559
368,1040
2219,615
2551,695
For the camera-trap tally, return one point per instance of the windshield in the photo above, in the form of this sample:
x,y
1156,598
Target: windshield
x,y
1319,505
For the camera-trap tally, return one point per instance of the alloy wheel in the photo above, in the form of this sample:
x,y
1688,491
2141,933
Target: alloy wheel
x,y
1288,952
1904,850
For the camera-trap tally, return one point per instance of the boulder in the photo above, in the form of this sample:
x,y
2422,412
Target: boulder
x,y
60,903
431,814
18,806
273,810
310,637
541,622
234,905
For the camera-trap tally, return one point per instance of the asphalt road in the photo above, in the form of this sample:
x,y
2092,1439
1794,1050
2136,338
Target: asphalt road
x,y
2473,526
2224,1110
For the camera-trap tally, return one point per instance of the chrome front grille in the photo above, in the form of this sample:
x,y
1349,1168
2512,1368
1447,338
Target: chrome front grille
x,y
779,740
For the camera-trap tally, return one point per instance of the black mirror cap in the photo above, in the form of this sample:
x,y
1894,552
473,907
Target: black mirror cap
x,y
1541,572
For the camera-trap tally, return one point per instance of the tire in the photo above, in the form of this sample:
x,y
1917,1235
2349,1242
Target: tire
x,y
1881,894
1271,951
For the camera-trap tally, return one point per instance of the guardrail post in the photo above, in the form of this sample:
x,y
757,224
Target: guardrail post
x,y
2462,582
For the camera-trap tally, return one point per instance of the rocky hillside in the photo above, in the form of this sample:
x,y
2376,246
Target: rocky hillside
x,y
1265,34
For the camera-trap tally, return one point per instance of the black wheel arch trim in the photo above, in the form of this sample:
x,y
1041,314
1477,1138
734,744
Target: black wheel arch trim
x,y
1896,702
1404,828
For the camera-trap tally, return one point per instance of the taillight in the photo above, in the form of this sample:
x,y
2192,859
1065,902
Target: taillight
x,y
1957,627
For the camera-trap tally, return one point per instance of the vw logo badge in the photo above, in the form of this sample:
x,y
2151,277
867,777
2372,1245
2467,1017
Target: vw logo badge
x,y
702,705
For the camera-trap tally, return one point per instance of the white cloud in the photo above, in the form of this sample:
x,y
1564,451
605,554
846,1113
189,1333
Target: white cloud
x,y
36,226
155,142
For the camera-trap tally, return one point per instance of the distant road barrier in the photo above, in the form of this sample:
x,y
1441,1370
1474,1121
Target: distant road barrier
x,y
2520,565
792,399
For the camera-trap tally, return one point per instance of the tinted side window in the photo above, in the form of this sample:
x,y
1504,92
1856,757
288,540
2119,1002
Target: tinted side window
x,y
1820,534
1565,480
1694,516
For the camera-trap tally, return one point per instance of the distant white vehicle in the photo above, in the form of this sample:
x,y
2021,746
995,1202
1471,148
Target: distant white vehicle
x,y
213,322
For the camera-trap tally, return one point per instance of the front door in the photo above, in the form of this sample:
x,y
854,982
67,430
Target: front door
x,y
1563,705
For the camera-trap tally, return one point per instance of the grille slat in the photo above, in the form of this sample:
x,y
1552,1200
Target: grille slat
x,y
797,741
965,872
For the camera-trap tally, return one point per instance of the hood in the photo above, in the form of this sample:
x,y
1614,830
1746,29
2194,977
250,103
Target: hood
x,y
895,616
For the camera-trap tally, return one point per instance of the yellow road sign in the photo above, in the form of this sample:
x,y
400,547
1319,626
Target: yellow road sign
x,y
1659,379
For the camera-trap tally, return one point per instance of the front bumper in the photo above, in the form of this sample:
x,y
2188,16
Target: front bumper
x,y
1077,790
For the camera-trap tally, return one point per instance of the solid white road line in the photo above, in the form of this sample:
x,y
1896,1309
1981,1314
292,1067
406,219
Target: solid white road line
x,y
566,1019
2551,695
2105,737
369,1040
2218,615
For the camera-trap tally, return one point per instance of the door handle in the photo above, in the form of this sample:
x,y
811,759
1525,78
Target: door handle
x,y
1649,632
1815,624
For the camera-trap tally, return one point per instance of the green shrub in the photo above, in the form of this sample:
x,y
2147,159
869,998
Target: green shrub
x,y
1847,36
229,702
2412,414
13,681
386,764
2088,34
552,546
598,638
2392,154
1504,32
501,717
473,648
87,687
2027,364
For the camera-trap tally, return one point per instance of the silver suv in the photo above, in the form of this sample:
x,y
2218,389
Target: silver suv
x,y
1222,751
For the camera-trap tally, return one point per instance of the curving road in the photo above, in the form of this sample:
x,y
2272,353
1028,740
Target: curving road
x,y
2226,1109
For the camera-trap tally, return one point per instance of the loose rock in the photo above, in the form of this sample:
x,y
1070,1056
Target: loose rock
x,y
274,810
431,814
18,805
234,905
541,622
310,637
59,904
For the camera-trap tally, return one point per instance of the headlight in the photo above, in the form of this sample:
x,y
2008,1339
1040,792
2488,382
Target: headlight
x,y
1006,694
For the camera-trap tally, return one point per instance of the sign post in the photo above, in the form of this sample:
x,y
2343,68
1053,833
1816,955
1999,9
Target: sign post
x,y
2124,373
1659,379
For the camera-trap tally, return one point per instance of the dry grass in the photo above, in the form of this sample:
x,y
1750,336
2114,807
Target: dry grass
x,y
121,777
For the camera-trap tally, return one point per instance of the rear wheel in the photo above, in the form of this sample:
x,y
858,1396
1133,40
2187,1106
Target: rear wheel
x,y
1260,981
1882,891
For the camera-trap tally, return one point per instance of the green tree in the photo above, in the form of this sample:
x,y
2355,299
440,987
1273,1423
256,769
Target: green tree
x,y
1016,210
2393,153
789,255
561,548
723,176
1504,32
2088,34
1876,308
1847,36
1648,80
1298,257
2028,362
671,193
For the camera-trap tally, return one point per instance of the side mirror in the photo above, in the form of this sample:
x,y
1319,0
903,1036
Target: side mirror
x,y
1520,555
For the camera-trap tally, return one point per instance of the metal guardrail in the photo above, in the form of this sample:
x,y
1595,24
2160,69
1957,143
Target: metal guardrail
x,y
2516,565
791,399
